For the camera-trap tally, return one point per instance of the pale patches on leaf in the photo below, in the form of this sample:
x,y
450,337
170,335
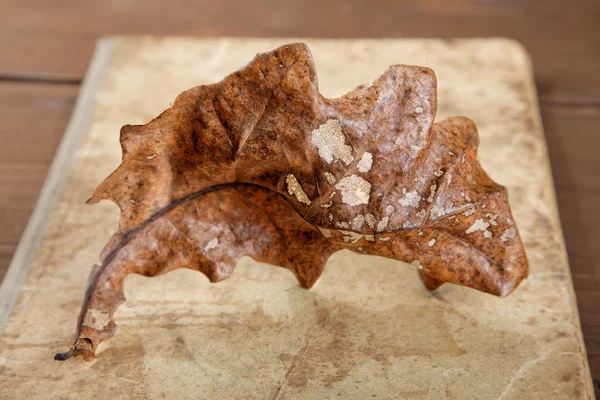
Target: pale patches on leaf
x,y
370,219
357,222
469,212
480,225
294,188
417,264
366,162
96,319
213,244
327,205
508,234
492,218
432,188
331,142
329,177
382,224
326,232
354,237
355,190
410,199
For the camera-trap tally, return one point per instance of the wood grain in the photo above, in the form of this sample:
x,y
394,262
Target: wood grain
x,y
6,252
572,143
55,39
35,117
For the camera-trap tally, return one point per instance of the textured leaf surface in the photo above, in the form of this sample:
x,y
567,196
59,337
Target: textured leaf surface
x,y
260,164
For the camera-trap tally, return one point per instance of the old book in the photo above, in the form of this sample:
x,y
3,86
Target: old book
x,y
368,329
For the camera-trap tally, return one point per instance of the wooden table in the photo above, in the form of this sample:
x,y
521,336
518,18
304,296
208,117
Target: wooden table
x,y
46,48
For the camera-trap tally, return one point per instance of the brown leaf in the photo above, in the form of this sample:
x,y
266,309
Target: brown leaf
x,y
260,164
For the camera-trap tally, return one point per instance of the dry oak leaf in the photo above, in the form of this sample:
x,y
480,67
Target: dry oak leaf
x,y
261,164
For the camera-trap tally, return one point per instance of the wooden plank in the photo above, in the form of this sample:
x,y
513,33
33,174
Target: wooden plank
x,y
19,266
502,332
55,39
573,143
20,185
6,252
34,118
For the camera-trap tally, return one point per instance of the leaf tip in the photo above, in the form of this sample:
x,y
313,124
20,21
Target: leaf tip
x,y
82,347
63,356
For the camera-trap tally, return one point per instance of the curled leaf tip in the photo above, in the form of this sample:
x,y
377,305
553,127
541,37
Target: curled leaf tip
x,y
83,347
63,356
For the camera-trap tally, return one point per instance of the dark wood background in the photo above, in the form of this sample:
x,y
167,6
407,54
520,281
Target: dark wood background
x,y
45,47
